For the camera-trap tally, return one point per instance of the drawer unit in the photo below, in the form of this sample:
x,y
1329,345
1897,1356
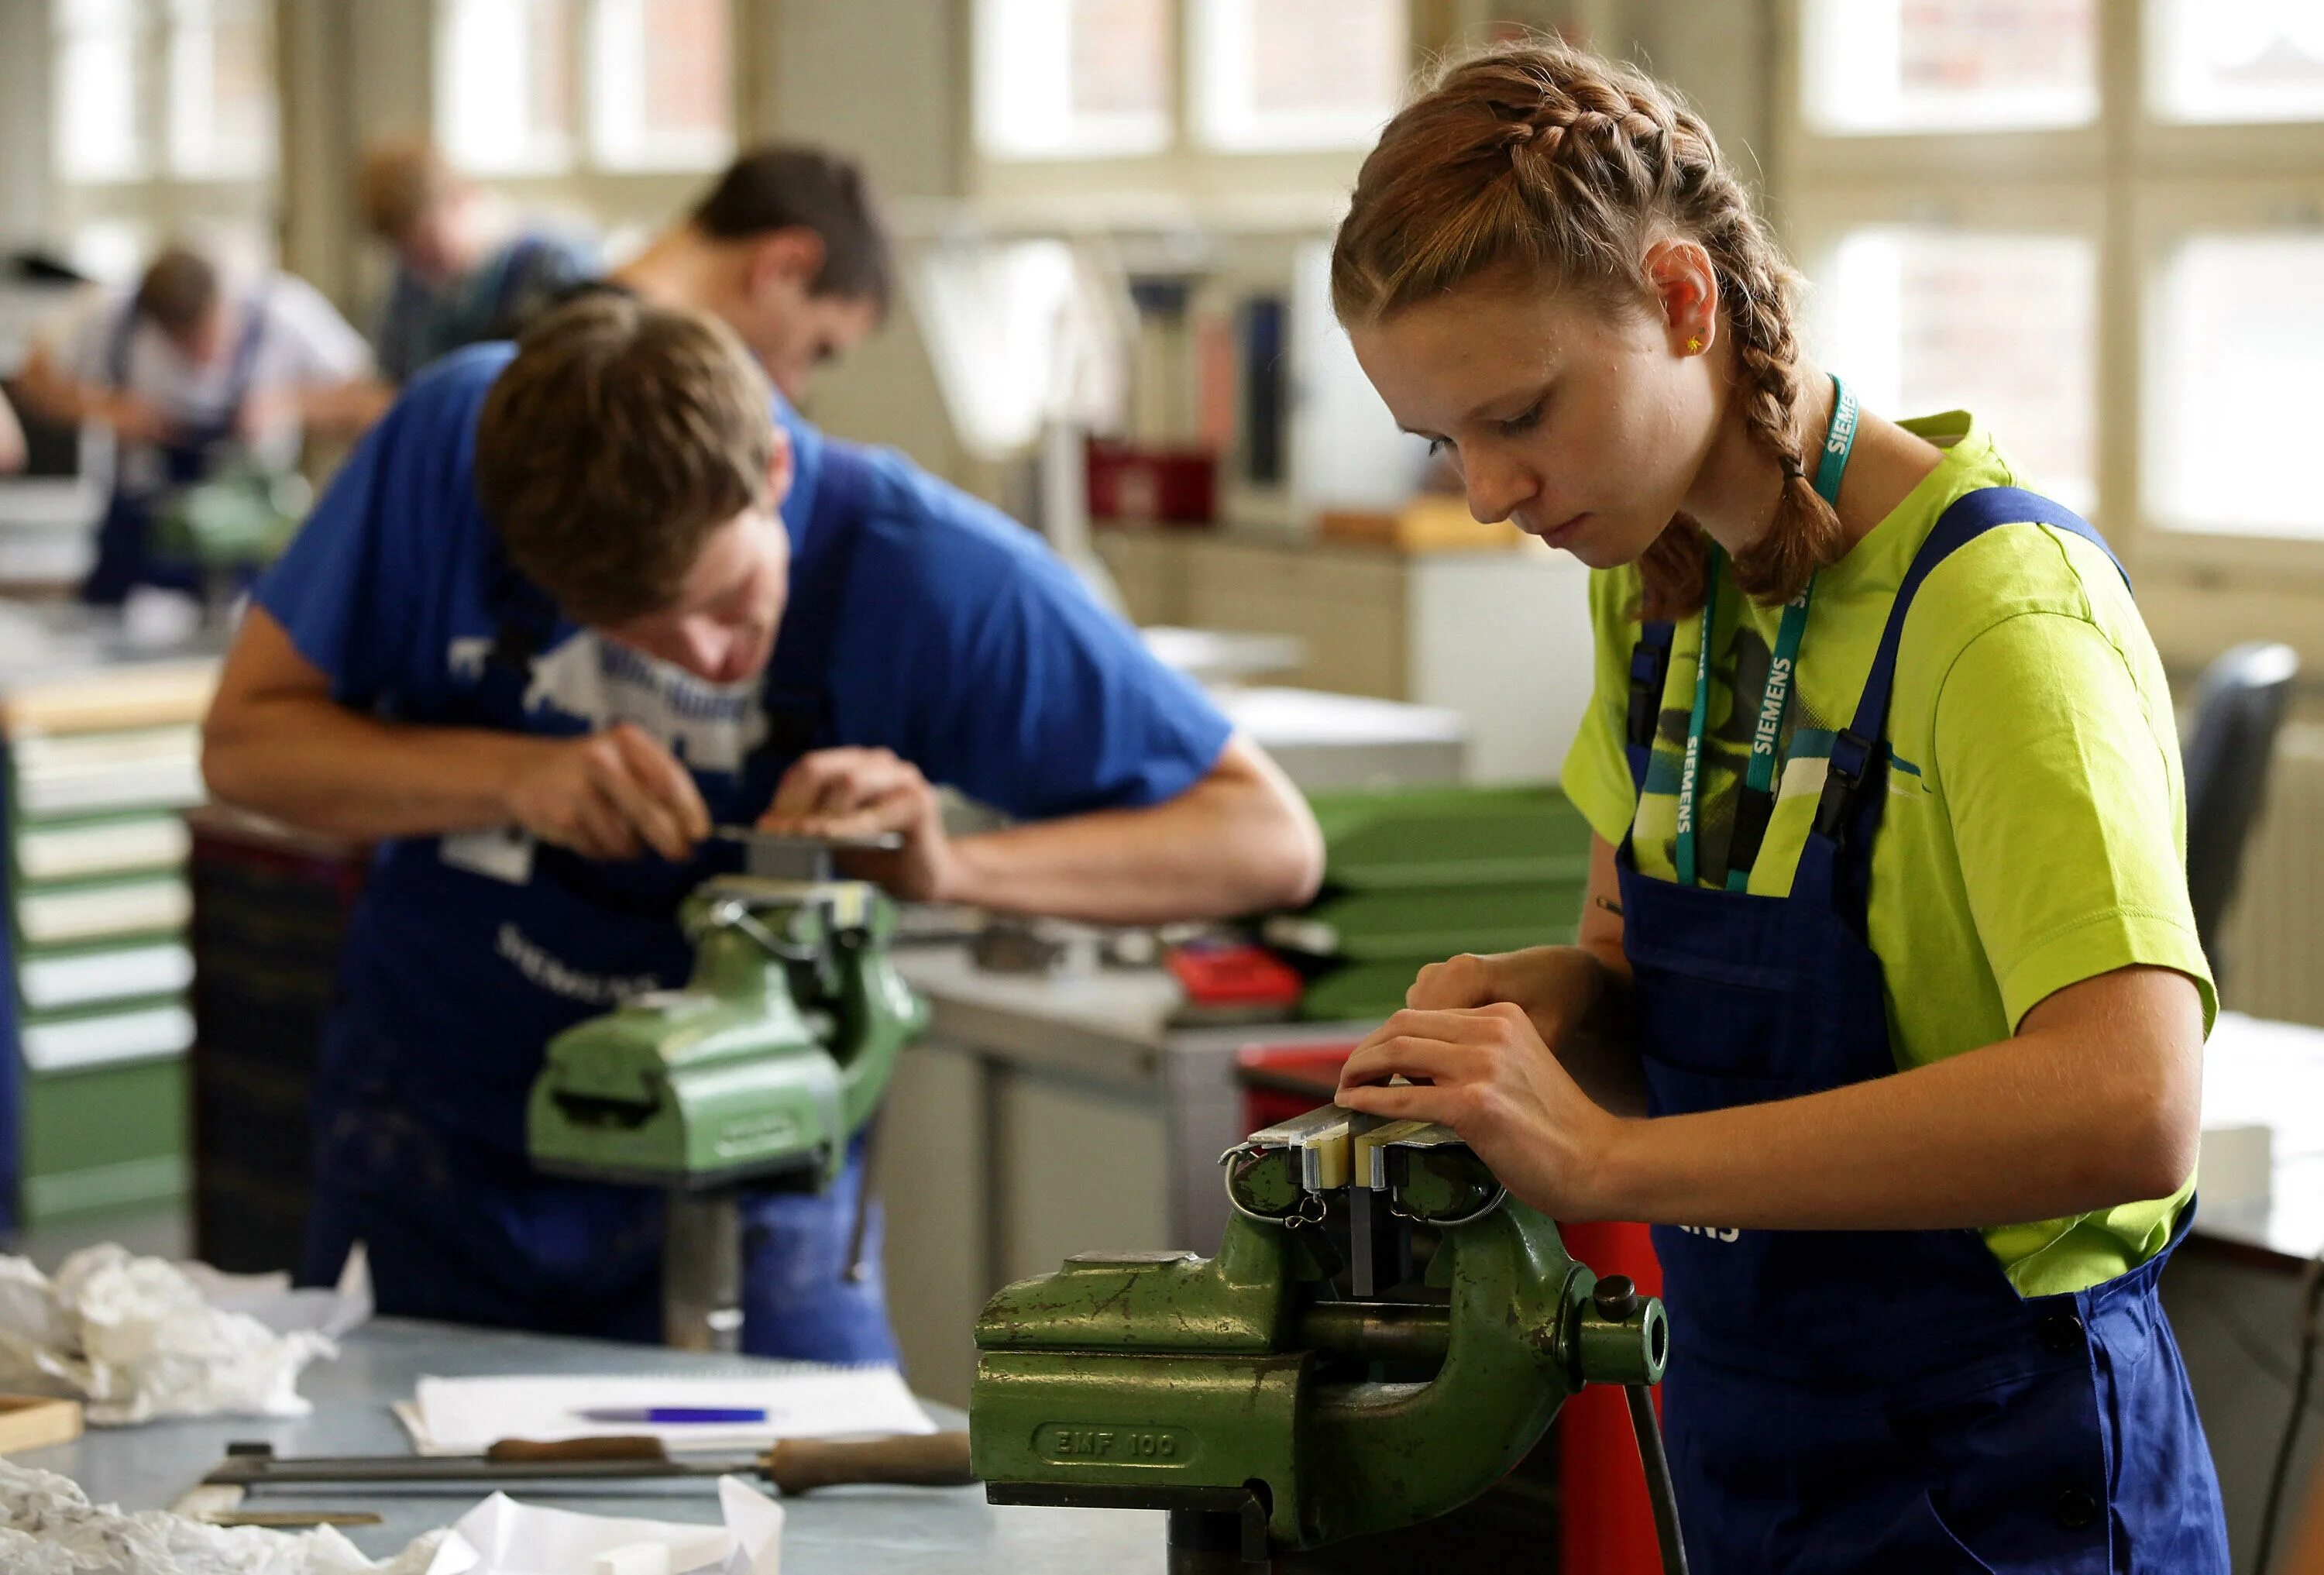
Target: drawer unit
x,y
99,771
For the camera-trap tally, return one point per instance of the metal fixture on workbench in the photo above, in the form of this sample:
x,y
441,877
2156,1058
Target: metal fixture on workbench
x,y
1382,1336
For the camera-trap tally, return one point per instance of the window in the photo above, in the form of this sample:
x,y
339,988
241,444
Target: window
x,y
662,84
221,88
2233,418
504,86
1284,74
1074,78
2223,60
1930,65
1099,79
2082,220
659,77
1923,320
102,62
164,128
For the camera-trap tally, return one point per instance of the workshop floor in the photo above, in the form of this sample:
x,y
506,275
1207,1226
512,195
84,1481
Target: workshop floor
x,y
147,1232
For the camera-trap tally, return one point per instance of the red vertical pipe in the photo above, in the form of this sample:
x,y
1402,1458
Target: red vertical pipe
x,y
1606,1526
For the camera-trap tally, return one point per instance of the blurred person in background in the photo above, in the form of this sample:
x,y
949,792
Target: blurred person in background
x,y
194,371
12,438
467,267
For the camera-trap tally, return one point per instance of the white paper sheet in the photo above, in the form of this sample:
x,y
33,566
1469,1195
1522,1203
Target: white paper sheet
x,y
463,1416
501,1536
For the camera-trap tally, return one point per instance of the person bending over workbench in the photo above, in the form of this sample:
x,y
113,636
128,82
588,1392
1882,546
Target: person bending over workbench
x,y
591,589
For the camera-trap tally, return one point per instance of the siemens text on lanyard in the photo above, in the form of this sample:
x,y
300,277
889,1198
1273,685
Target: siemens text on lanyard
x,y
1755,801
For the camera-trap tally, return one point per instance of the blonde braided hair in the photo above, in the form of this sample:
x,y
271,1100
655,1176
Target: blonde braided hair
x,y
1552,165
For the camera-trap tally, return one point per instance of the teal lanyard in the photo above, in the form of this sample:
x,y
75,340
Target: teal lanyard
x,y
1756,802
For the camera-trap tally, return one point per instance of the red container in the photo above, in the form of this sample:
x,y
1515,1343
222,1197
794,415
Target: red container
x,y
1282,1081
1130,481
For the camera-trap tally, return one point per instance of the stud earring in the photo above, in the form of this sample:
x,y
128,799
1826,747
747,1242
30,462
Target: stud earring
x,y
1694,346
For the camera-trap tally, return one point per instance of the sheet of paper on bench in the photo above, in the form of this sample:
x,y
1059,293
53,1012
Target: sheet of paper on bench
x,y
462,1416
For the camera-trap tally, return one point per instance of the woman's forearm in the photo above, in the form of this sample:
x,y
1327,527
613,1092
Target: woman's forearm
x,y
2077,1114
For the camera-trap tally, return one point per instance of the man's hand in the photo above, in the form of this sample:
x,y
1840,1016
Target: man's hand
x,y
862,793
136,419
612,795
265,413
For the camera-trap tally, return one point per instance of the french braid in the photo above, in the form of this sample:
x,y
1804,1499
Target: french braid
x,y
1565,167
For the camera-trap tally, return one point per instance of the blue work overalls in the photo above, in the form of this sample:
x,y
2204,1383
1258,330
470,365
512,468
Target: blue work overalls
x,y
125,556
1881,1401
456,1223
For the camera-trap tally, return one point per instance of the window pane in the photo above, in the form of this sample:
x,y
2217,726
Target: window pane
x,y
1289,74
1923,321
99,70
2231,414
663,84
1073,78
1949,65
221,88
504,84
2239,59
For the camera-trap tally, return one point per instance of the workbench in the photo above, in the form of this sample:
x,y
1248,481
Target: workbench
x,y
2232,1291
861,1531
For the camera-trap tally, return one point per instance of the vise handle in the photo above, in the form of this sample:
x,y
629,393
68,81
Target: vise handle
x,y
795,1465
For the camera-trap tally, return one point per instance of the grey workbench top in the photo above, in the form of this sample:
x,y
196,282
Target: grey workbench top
x,y
1107,1023
2260,1073
862,1530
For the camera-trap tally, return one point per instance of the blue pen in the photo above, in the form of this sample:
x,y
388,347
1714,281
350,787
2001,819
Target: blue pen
x,y
672,1413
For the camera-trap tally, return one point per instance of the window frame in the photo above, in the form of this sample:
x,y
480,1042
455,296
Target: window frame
x,y
612,197
1186,180
2143,181
158,203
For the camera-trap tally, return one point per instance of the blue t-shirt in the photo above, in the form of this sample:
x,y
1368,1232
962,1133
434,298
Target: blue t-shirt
x,y
959,641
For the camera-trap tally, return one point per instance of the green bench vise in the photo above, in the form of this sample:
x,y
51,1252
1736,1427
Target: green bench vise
x,y
757,1072
1383,1335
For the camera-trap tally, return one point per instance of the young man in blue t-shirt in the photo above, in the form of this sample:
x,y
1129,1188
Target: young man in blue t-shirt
x,y
591,590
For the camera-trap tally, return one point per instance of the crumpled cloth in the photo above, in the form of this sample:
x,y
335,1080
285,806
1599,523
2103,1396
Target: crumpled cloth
x,y
139,1338
47,1527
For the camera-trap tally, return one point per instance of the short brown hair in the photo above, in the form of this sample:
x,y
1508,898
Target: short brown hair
x,y
180,289
619,440
1558,167
400,182
783,186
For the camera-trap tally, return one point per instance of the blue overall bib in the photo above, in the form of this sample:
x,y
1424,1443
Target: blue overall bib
x,y
125,556
1858,1400
430,1173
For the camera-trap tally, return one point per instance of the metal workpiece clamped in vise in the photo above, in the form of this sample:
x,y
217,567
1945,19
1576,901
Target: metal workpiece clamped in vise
x,y
757,1072
1383,1335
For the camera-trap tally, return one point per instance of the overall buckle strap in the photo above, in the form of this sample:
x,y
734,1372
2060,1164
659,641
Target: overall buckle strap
x,y
1851,757
1969,516
1649,666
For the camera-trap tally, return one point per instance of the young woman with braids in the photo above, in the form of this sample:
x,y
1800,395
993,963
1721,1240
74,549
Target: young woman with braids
x,y
1887,1008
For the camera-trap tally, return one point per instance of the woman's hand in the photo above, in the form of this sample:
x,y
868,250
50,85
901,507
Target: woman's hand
x,y
1485,1073
1558,987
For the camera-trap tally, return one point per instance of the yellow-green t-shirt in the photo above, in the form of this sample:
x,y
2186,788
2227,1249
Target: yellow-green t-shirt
x,y
2034,833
